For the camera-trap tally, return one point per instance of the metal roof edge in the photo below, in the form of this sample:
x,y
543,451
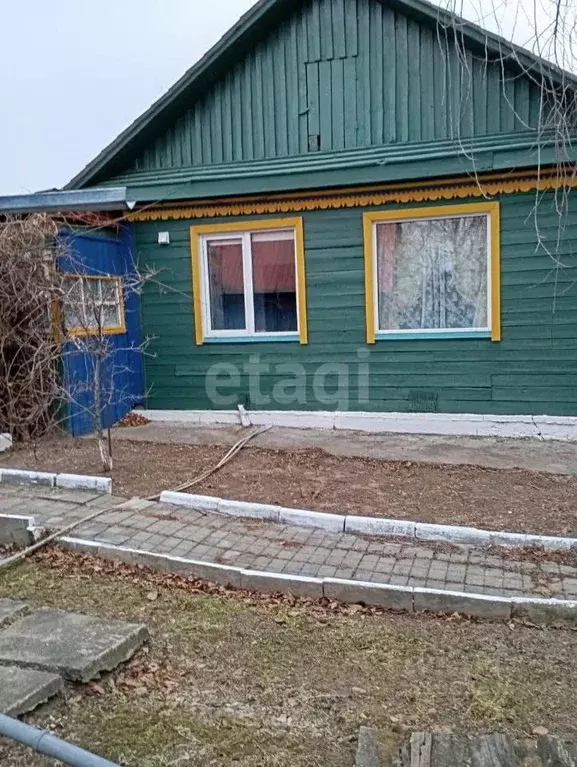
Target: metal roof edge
x,y
105,198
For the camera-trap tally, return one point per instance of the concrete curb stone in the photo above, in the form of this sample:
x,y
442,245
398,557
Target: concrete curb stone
x,y
334,523
411,599
378,594
84,482
22,477
478,605
545,610
51,479
250,510
297,585
369,525
19,530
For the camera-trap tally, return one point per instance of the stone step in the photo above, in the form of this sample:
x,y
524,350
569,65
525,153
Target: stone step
x,y
21,690
77,647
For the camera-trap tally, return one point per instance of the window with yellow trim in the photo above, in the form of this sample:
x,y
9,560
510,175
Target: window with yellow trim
x,y
249,282
433,271
92,305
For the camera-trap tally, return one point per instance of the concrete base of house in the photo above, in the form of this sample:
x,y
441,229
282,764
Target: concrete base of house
x,y
543,427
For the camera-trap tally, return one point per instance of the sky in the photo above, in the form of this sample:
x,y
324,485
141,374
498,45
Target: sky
x,y
75,74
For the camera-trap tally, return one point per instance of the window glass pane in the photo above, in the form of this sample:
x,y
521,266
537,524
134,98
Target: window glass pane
x,y
110,316
274,282
433,274
92,291
72,316
72,290
109,291
226,285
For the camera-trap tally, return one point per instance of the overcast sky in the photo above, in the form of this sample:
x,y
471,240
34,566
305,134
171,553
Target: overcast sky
x,y
76,73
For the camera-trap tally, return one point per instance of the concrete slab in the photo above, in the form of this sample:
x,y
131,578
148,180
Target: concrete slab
x,y
78,647
17,530
21,690
557,457
10,611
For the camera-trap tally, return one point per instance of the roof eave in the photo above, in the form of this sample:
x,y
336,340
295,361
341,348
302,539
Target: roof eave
x,y
93,200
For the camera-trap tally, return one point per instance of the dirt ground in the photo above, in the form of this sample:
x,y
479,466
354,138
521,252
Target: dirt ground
x,y
515,500
232,678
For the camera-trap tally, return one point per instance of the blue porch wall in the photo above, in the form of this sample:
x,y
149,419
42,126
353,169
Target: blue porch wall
x,y
122,377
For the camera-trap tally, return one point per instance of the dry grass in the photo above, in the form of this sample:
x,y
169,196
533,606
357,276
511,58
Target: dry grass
x,y
255,682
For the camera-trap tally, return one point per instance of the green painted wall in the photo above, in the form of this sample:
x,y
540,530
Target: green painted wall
x,y
355,73
533,370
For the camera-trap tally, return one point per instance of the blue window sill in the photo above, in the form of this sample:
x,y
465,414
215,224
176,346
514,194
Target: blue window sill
x,y
253,339
424,335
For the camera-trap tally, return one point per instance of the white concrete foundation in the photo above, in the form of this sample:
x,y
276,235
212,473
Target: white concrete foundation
x,y
542,427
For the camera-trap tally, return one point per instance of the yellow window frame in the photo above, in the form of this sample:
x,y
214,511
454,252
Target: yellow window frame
x,y
197,232
113,330
492,209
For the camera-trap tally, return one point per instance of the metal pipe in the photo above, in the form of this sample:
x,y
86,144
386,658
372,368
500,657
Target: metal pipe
x,y
44,742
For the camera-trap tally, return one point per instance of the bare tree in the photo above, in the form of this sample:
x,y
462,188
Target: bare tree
x,y
51,320
93,323
30,287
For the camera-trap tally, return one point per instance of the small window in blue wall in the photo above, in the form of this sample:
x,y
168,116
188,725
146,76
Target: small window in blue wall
x,y
92,305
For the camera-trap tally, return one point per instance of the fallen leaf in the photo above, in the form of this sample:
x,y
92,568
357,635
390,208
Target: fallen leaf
x,y
541,731
152,596
98,688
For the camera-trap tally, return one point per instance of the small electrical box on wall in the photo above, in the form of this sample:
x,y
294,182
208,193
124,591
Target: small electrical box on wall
x,y
164,238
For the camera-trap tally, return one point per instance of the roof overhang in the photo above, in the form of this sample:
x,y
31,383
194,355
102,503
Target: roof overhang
x,y
69,201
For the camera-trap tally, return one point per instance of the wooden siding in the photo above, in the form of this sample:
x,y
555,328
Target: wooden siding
x,y
356,74
533,370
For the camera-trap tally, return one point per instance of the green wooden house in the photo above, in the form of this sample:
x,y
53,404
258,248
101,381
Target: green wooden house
x,y
361,215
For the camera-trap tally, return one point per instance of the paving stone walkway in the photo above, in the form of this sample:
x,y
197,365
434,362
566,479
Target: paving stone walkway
x,y
266,546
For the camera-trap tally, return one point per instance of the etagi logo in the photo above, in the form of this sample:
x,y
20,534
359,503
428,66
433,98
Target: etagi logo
x,y
334,385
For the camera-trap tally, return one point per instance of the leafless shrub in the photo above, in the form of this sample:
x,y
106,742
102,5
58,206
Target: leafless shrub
x,y
29,350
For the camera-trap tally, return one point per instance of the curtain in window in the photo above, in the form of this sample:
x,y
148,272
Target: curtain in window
x,y
274,282
226,285
432,274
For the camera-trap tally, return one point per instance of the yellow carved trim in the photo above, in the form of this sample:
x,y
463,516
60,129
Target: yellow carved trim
x,y
449,189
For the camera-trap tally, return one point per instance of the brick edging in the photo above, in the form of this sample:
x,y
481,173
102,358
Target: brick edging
x,y
406,598
368,525
52,480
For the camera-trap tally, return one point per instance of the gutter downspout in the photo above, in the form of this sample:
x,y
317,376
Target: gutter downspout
x,y
44,742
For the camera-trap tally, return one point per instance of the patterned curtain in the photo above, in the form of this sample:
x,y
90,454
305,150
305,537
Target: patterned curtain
x,y
432,274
